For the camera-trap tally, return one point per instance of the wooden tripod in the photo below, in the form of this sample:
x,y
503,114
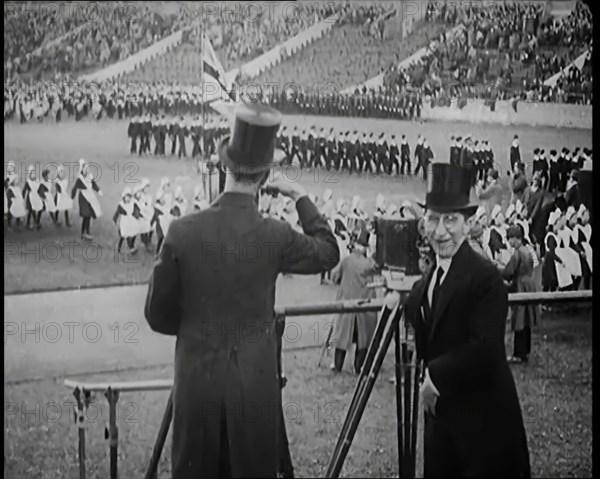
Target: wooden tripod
x,y
388,326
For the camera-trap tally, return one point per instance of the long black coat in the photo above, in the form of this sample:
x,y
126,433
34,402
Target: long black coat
x,y
214,287
478,427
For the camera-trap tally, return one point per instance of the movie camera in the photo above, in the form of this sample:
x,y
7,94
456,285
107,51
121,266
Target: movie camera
x,y
400,252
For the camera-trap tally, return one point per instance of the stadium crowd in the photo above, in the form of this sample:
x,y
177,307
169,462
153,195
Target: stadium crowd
x,y
440,76
503,51
108,32
95,35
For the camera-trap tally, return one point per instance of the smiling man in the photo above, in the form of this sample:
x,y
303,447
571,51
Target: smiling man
x,y
473,421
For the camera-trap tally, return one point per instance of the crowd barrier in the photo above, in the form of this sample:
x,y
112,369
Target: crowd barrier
x,y
83,391
557,115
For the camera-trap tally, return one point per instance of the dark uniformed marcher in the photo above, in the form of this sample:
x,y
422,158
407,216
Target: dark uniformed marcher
x,y
473,421
515,153
214,288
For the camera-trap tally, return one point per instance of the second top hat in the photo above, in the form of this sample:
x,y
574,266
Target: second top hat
x,y
448,189
251,146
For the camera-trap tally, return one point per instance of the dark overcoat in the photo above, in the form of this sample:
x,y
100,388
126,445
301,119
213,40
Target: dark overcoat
x,y
214,288
519,273
353,274
478,427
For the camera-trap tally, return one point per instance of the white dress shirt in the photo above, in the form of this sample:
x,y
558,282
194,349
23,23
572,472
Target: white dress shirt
x,y
443,263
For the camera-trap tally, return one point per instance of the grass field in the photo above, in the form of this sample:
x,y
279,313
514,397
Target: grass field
x,y
58,258
555,390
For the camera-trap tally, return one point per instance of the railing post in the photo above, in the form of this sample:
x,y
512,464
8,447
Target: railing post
x,y
80,420
113,430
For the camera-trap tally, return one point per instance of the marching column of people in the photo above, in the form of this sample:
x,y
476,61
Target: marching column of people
x,y
161,137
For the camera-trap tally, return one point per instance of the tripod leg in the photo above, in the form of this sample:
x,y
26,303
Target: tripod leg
x,y
407,397
366,368
399,408
161,439
415,418
354,416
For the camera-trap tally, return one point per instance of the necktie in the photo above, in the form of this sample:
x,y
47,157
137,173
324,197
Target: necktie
x,y
436,288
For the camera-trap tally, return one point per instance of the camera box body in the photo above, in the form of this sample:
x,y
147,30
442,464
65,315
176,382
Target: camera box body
x,y
396,246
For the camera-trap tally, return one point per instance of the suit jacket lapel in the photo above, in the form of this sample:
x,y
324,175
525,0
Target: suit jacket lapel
x,y
422,294
450,285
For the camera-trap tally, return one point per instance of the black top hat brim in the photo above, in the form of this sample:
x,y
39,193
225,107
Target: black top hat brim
x,y
231,164
468,209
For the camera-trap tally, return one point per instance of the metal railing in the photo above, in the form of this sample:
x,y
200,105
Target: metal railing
x,y
82,391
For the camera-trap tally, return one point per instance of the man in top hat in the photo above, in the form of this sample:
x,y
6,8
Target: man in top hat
x,y
473,420
214,288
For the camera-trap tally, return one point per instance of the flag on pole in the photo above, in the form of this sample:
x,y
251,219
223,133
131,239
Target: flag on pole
x,y
211,64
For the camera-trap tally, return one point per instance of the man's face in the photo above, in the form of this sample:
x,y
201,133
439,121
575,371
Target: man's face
x,y
445,232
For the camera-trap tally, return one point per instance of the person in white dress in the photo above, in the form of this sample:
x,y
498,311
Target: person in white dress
x,y
47,196
14,195
33,201
498,242
380,206
570,236
143,199
126,218
555,273
179,205
62,198
327,206
583,230
198,197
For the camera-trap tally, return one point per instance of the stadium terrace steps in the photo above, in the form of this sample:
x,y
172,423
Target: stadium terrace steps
x,y
183,62
347,56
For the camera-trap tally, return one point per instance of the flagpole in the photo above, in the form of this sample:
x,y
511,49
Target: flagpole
x,y
202,106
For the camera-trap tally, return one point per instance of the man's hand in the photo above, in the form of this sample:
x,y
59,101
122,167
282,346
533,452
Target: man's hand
x,y
278,184
429,394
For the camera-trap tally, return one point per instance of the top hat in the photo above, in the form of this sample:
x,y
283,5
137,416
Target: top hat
x,y
251,146
448,189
